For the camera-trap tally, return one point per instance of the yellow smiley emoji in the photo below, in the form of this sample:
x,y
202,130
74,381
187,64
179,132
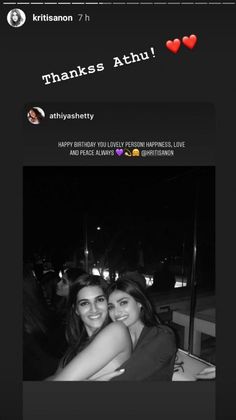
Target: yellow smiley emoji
x,y
135,152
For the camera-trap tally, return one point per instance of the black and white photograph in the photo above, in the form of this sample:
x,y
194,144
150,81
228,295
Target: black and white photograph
x,y
16,18
119,278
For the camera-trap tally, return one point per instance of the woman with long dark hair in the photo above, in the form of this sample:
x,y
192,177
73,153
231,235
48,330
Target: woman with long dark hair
x,y
35,115
78,331
154,346
96,347
16,18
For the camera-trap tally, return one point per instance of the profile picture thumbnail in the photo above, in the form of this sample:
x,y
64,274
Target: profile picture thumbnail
x,y
35,115
16,18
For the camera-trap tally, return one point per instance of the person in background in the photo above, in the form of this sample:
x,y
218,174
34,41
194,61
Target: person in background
x,y
164,279
136,276
49,281
38,361
56,313
69,276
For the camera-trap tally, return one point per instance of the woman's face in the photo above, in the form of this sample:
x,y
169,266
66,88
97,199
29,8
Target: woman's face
x,y
63,286
32,114
15,17
123,307
91,307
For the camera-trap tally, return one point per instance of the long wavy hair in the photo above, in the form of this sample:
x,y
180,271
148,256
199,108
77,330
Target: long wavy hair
x,y
76,333
38,114
148,314
13,23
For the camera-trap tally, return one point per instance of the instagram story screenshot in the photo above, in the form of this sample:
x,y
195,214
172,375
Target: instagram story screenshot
x,y
117,136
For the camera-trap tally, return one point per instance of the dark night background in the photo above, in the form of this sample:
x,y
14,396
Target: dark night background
x,y
145,213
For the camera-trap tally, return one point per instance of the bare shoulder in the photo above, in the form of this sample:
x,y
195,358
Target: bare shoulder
x,y
115,332
117,328
114,335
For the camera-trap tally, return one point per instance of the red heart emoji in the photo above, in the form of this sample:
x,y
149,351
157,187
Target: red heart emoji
x,y
189,41
173,46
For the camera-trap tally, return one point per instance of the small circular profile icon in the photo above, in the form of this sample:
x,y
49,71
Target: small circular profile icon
x,y
16,18
35,115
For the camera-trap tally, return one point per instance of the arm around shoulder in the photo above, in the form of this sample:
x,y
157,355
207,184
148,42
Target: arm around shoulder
x,y
108,343
153,358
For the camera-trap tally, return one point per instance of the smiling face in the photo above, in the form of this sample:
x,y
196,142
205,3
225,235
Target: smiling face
x,y
32,113
15,17
91,307
123,307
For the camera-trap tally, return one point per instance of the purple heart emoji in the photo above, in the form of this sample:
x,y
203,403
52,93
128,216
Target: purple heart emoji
x,y
119,152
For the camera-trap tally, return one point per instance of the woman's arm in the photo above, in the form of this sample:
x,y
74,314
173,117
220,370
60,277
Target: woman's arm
x,y
111,341
153,358
109,376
